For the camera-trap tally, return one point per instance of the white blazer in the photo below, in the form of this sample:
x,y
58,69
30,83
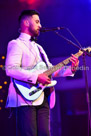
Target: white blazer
x,y
22,57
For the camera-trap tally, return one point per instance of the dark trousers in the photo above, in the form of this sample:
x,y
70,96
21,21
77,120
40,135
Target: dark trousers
x,y
34,120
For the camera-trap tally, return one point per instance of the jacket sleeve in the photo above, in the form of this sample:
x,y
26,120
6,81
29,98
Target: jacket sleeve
x,y
63,72
13,64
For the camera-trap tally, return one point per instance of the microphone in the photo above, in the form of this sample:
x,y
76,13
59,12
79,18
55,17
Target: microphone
x,y
43,29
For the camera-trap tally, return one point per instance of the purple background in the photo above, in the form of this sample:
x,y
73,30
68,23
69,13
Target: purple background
x,y
69,117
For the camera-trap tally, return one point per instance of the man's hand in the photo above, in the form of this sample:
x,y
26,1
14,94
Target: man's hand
x,y
44,79
75,63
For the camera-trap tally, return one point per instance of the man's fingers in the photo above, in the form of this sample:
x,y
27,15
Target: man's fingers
x,y
74,60
44,79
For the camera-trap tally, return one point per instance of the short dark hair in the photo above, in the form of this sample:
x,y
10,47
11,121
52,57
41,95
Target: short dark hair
x,y
26,13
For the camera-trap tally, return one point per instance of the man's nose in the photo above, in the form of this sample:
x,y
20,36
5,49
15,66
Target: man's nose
x,y
40,25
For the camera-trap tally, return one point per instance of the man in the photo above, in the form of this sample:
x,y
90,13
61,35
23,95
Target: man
x,y
23,55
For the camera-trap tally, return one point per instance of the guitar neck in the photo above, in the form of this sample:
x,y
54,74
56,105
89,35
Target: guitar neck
x,y
61,64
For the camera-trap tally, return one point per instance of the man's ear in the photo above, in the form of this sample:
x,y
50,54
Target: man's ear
x,y
26,22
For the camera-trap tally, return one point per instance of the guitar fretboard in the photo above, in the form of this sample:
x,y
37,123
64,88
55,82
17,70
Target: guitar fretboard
x,y
61,64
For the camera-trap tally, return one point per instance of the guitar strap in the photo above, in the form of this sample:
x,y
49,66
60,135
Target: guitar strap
x,y
42,56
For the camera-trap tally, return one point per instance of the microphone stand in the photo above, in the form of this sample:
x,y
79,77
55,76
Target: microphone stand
x,y
85,73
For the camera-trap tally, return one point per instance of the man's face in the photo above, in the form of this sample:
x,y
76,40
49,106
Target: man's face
x,y
34,25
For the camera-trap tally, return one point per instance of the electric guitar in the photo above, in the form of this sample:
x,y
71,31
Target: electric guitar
x,y
30,91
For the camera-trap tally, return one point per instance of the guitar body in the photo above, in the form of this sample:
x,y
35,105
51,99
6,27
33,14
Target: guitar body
x,y
29,91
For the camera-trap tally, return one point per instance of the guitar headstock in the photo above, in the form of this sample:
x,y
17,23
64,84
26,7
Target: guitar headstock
x,y
88,50
85,50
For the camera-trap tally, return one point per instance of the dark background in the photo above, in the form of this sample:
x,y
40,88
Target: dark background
x,y
70,115
73,14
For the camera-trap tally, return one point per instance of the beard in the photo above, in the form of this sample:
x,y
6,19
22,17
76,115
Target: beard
x,y
34,32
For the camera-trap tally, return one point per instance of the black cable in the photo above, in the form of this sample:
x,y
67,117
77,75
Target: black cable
x,y
73,37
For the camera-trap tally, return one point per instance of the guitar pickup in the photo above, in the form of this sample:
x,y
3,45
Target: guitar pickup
x,y
33,92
